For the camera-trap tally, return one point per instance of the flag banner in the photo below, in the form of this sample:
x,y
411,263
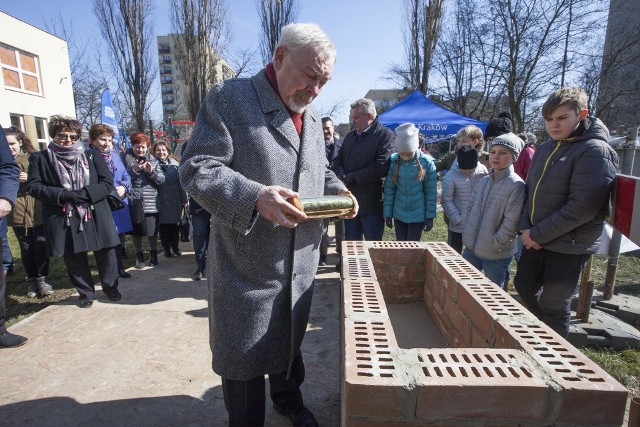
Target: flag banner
x,y
626,217
109,117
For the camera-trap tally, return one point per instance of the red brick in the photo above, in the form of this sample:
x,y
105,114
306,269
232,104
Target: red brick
x,y
398,256
592,407
477,312
363,297
480,383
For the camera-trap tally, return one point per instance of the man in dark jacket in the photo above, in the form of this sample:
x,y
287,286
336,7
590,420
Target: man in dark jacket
x,y
9,172
568,188
363,163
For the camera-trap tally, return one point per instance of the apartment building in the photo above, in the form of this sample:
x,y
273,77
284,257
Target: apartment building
x,y
172,84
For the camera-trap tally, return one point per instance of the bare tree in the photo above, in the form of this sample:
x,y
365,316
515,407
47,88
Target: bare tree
x,y
464,78
126,26
201,34
87,74
421,31
243,62
274,14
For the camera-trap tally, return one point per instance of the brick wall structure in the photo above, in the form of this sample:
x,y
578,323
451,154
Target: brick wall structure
x,y
501,365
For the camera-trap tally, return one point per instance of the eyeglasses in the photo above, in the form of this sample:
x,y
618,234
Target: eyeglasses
x,y
65,136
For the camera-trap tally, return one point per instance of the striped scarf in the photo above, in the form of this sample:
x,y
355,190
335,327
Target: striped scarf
x,y
72,170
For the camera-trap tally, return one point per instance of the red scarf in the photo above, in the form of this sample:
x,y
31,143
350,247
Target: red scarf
x,y
296,117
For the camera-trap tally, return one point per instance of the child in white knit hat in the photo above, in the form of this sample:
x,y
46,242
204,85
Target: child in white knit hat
x,y
491,228
410,188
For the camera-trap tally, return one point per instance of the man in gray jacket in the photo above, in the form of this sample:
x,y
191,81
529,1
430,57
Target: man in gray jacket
x,y
255,144
568,187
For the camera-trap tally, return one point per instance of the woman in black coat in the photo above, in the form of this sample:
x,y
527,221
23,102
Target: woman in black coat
x,y
72,184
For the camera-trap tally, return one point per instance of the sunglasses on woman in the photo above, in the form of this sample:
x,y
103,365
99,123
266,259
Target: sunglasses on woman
x,y
65,136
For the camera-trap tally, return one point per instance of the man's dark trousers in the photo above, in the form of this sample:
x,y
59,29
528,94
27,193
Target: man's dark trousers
x,y
369,225
244,400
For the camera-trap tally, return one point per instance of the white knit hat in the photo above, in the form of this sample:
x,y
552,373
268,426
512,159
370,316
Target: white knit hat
x,y
407,138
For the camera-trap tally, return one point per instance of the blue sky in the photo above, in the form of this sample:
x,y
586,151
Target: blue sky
x,y
366,33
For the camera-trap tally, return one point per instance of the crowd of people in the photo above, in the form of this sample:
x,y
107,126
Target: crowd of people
x,y
77,197
257,143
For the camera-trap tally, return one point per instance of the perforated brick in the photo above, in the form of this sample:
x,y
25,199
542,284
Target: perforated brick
x,y
385,385
372,385
440,249
479,383
358,268
581,379
363,297
395,245
354,248
483,303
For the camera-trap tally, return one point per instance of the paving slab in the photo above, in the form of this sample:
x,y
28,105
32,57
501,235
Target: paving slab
x,y
146,360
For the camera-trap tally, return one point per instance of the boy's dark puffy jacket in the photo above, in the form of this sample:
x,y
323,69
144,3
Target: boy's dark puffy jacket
x,y
568,189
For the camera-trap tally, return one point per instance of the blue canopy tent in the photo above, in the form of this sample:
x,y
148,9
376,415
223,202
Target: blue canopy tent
x,y
435,122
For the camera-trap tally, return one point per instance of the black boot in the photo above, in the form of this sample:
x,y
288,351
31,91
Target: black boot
x,y
154,258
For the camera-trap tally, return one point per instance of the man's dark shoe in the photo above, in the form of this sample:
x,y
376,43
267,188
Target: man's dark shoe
x,y
8,340
167,253
124,274
197,275
85,303
117,296
323,260
299,417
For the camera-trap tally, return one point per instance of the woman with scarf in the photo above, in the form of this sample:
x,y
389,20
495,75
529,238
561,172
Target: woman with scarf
x,y
101,140
173,200
73,184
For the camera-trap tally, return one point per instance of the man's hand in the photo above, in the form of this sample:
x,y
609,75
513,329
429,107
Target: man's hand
x,y
389,222
528,242
428,224
22,177
354,212
5,207
272,205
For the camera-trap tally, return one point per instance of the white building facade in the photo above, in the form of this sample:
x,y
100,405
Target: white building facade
x,y
36,78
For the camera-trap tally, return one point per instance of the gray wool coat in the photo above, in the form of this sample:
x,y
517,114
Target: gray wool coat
x,y
260,275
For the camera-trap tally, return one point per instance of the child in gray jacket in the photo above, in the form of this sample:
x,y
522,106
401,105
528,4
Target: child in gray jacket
x,y
491,228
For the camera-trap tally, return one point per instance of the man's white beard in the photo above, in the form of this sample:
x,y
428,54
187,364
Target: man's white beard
x,y
299,101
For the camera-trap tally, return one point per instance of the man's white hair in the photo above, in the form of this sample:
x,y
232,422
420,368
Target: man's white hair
x,y
365,105
304,36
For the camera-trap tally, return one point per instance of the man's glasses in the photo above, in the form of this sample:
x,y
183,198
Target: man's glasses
x,y
65,136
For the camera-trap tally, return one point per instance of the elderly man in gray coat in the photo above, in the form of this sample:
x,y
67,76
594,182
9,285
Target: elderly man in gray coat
x,y
255,144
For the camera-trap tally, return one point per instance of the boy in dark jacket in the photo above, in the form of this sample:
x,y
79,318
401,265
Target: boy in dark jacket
x,y
568,188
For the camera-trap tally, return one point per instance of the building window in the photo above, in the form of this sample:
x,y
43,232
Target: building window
x,y
17,121
41,131
19,70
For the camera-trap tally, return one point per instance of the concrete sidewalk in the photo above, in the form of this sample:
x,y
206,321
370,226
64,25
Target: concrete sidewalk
x,y
146,361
